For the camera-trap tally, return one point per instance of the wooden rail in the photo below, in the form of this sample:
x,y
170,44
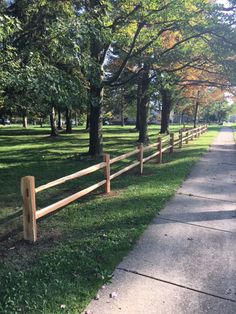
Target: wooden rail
x,y
75,175
49,209
29,191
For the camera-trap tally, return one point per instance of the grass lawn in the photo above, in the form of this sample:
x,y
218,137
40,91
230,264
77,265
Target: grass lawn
x,y
33,152
80,245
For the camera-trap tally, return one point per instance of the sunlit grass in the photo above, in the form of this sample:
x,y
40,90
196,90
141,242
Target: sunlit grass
x,y
33,152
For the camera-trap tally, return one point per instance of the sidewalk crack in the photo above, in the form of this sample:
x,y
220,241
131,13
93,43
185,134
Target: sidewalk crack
x,y
176,284
205,197
196,225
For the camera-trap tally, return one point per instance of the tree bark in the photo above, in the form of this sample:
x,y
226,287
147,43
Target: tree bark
x,y
87,121
137,126
144,106
196,110
76,119
166,108
122,118
68,120
54,131
96,95
95,130
25,121
59,123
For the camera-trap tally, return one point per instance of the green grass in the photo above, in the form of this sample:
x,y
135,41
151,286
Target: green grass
x,y
80,245
33,152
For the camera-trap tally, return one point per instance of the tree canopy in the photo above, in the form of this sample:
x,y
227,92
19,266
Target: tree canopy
x,y
64,55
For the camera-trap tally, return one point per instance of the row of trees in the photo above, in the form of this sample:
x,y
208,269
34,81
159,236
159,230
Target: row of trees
x,y
89,55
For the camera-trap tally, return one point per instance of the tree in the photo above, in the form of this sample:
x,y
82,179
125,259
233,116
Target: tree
x,y
143,23
49,73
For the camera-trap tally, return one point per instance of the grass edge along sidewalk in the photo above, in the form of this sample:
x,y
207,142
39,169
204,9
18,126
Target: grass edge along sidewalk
x,y
83,244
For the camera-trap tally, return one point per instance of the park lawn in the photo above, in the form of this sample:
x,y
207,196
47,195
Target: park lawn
x,y
80,245
33,152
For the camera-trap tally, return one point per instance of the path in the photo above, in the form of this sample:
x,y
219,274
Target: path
x,y
185,262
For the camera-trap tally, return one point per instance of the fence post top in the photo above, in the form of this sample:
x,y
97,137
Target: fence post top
x,y
25,181
106,157
27,178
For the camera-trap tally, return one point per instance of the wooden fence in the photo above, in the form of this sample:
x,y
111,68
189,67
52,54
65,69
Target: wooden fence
x,y
29,191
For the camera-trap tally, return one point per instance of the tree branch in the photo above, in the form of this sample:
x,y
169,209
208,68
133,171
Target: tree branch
x,y
119,72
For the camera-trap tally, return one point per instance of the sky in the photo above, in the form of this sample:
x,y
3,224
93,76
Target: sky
x,y
222,1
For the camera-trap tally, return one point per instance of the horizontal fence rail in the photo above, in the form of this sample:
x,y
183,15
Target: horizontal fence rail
x,y
29,191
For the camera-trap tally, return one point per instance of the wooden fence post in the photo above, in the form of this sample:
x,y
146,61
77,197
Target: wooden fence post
x,y
192,130
29,208
106,159
172,142
187,134
159,160
141,158
180,139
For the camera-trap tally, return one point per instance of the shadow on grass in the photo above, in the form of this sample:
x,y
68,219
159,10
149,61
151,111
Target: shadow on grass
x,y
46,171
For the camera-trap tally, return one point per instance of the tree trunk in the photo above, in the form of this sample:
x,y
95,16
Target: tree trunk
x,y
76,119
165,113
68,120
54,131
144,106
87,121
220,117
25,121
95,130
95,95
139,89
59,123
122,118
196,110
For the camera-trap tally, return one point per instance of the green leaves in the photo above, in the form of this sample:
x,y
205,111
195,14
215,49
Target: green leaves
x,y
46,56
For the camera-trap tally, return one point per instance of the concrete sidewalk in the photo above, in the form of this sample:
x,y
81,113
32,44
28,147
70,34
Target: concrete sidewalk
x,y
185,262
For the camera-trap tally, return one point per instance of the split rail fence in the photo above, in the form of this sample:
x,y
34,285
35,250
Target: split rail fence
x,y
29,191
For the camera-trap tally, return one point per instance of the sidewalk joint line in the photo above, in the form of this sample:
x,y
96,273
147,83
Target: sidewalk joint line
x,y
176,285
227,163
196,225
205,197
